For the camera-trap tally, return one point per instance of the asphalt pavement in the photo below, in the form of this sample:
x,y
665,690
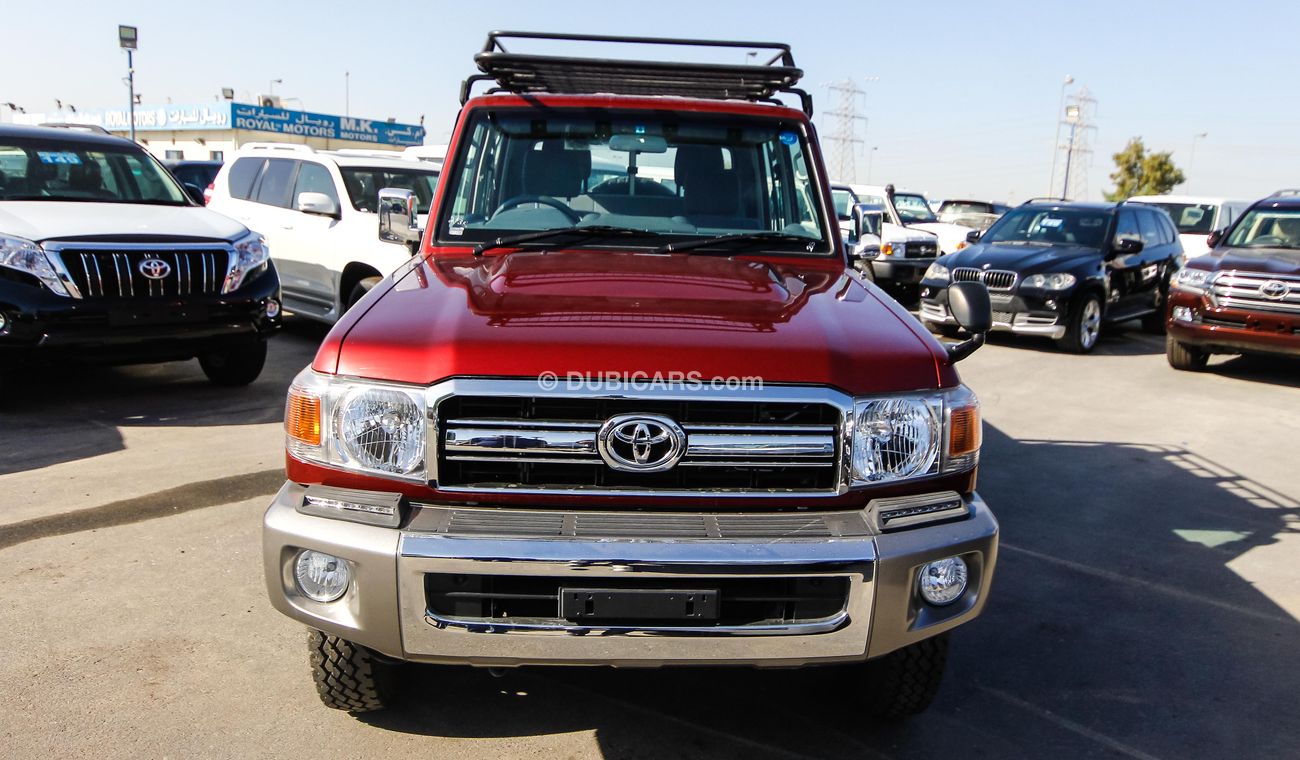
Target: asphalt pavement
x,y
1146,603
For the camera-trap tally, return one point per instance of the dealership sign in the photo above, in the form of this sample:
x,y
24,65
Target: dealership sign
x,y
226,115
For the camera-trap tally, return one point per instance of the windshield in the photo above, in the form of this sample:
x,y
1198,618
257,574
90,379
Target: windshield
x,y
679,176
843,200
1058,226
364,183
1267,228
52,170
913,208
1191,218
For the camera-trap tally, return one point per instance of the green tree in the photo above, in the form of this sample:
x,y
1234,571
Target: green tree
x,y
1138,172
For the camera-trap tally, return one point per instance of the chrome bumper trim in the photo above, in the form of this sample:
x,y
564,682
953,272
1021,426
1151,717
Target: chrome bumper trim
x,y
824,625
931,315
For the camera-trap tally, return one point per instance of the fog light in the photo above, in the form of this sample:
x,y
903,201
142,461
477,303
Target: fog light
x,y
1182,314
272,308
943,581
322,577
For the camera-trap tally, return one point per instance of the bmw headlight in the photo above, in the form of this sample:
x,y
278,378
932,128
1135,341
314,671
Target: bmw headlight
x,y
251,255
937,272
908,436
1056,281
29,257
356,425
1194,280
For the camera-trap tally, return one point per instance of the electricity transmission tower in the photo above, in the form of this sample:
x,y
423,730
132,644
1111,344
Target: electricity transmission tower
x,y
845,140
1078,124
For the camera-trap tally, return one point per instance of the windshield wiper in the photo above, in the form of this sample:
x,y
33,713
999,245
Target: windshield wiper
x,y
739,237
590,230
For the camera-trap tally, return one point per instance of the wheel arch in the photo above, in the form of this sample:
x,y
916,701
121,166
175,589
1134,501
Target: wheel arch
x,y
354,273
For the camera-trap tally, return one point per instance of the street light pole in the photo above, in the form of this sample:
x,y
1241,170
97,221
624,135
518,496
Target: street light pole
x,y
270,89
347,82
1191,158
128,38
1056,142
870,155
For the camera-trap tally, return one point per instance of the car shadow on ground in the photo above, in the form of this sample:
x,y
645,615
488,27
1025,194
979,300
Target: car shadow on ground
x,y
67,413
1276,370
1131,614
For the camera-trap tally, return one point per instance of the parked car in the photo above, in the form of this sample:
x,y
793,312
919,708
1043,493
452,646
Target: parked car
x,y
1196,217
912,210
104,258
1244,296
979,215
520,449
199,174
864,238
1063,270
905,252
318,212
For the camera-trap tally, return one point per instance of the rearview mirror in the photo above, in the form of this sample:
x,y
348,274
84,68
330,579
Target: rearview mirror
x,y
973,236
317,203
398,219
1214,238
638,144
970,307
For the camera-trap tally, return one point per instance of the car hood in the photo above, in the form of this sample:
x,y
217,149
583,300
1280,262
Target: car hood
x,y
1280,261
51,220
677,316
951,236
1025,259
897,233
1194,244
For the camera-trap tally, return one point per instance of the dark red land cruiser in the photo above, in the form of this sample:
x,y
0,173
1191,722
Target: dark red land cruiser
x,y
1243,297
628,405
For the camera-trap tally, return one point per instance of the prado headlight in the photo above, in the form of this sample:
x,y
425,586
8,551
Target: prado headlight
x,y
900,437
251,255
26,256
937,272
1057,281
356,425
1194,280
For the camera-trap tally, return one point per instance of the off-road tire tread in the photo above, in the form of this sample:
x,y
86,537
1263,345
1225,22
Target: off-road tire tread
x,y
907,680
348,677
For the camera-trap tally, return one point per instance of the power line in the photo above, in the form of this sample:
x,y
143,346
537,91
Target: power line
x,y
1077,120
844,141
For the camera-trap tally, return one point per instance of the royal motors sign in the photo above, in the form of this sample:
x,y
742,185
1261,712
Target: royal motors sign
x,y
225,115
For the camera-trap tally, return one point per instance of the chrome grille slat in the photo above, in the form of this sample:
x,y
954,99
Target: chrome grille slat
x,y
993,279
1244,290
106,270
648,525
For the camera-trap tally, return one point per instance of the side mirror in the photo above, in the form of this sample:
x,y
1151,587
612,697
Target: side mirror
x,y
1214,238
195,193
317,203
971,308
973,236
1127,245
398,220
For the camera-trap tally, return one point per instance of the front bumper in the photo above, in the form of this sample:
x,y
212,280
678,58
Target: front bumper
x,y
42,327
900,270
387,608
1217,329
1024,314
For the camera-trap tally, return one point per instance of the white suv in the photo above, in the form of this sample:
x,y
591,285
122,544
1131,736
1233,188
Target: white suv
x,y
317,211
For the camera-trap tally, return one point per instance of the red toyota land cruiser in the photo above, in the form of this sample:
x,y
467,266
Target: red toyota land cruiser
x,y
629,405
1243,297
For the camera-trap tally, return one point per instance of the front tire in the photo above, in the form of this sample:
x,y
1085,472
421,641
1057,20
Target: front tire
x,y
234,366
1183,357
348,676
1083,325
905,682
361,288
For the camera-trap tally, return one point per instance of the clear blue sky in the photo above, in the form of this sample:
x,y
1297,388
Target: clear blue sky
x,y
964,104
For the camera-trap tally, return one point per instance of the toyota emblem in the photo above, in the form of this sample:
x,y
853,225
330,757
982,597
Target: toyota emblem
x,y
641,443
1274,290
155,269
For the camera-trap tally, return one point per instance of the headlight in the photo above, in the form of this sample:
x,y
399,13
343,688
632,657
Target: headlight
x,y
900,437
251,255
893,249
937,272
355,425
26,256
1058,281
1194,280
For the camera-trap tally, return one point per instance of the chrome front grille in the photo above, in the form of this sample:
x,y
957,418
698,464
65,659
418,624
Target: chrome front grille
x,y
921,250
1257,291
546,442
119,271
993,279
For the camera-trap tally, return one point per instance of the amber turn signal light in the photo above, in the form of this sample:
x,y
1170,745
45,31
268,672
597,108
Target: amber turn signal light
x,y
302,417
964,431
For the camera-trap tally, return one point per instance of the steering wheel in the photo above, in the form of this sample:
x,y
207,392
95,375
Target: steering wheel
x,y
544,200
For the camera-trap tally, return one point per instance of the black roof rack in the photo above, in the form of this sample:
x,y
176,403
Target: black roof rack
x,y
79,127
1046,199
524,73
1286,192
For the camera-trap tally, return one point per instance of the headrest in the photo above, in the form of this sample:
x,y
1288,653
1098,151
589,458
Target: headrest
x,y
555,171
698,162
